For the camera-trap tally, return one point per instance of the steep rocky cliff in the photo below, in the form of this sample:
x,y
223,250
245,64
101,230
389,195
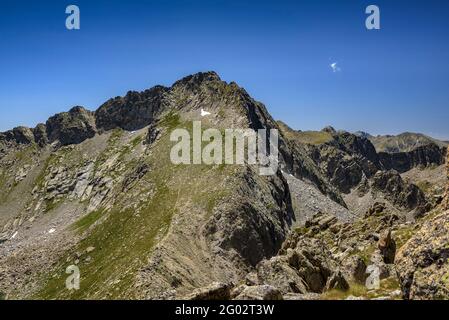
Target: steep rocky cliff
x,y
350,163
422,156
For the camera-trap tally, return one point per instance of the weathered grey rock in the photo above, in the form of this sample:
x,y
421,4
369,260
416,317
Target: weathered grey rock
x,y
322,221
387,246
376,209
378,264
71,127
423,156
303,265
423,262
280,273
336,281
83,181
153,134
249,231
301,296
400,193
215,291
346,160
262,292
17,136
131,112
355,269
40,134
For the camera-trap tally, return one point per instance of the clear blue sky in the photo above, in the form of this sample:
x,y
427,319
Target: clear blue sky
x,y
392,80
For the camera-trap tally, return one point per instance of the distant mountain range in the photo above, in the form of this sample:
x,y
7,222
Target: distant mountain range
x,y
403,142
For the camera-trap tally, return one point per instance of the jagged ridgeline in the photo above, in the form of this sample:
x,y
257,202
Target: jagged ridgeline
x,y
97,190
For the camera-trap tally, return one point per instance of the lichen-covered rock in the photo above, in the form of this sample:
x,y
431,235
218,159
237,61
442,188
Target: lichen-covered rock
x,y
423,262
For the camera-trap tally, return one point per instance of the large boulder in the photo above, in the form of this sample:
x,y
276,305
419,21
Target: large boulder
x,y
423,262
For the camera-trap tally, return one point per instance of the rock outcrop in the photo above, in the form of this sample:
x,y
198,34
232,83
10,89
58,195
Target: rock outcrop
x,y
387,247
131,112
423,262
262,292
395,189
303,265
346,160
71,127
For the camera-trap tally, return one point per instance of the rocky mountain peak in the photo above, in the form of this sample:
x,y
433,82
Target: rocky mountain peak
x,y
329,129
363,134
198,78
72,127
20,135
